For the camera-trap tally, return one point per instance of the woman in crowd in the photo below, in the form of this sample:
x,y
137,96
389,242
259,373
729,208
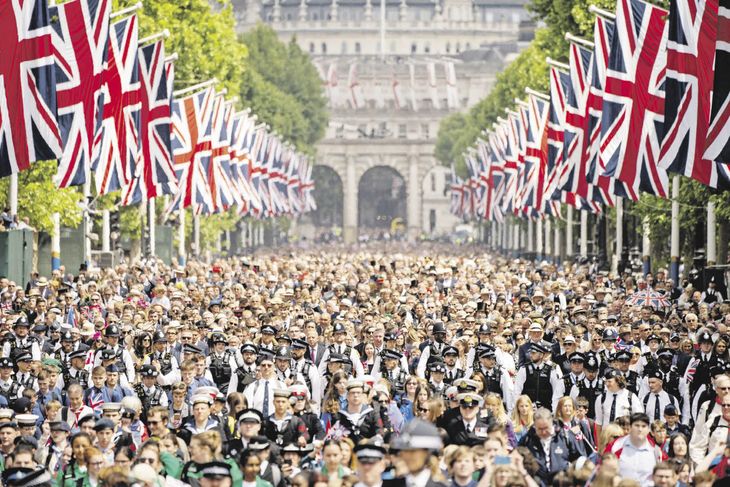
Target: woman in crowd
x,y
408,398
522,416
493,403
76,468
565,417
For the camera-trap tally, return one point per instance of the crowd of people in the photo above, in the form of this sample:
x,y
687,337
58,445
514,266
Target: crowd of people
x,y
418,367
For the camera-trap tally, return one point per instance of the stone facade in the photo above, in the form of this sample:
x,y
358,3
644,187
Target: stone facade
x,y
387,98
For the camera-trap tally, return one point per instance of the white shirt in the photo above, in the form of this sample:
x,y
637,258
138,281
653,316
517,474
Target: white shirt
x,y
418,480
637,463
254,393
626,404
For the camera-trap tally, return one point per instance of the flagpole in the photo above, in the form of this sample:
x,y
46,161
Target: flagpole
x,y
125,11
584,233
86,223
105,231
578,40
711,234
56,242
13,194
151,222
602,13
569,245
548,238
646,245
164,34
530,235
194,87
674,254
619,234
538,243
557,242
556,64
181,237
196,234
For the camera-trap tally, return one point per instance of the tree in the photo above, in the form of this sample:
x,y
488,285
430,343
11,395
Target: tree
x,y
38,197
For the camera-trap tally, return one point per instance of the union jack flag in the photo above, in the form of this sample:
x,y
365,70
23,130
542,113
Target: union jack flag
x,y
457,194
496,176
603,31
155,172
218,166
536,160
81,40
28,128
116,145
241,126
690,57
718,136
575,175
633,99
191,149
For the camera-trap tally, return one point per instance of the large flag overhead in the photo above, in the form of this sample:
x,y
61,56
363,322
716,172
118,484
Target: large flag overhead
x,y
28,128
155,172
116,146
191,148
218,167
603,32
690,57
633,100
718,137
81,42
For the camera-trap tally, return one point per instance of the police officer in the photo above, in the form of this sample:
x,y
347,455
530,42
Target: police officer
x,y
433,349
496,378
453,367
246,373
162,357
77,373
468,428
353,366
9,388
123,359
24,376
541,381
575,375
221,362
391,371
21,340
301,365
623,360
67,346
590,386
436,373
148,391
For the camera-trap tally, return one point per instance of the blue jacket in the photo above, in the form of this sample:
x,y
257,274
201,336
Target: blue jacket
x,y
564,449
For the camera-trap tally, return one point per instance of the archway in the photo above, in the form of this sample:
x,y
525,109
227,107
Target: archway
x,y
381,201
326,220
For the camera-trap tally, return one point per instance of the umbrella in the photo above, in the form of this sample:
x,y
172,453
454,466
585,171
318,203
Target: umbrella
x,y
648,297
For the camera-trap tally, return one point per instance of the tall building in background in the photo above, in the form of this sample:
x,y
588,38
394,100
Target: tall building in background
x,y
390,79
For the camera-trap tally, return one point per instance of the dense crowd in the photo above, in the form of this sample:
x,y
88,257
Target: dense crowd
x,y
415,367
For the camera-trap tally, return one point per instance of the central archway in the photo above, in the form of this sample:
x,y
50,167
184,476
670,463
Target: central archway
x,y
381,201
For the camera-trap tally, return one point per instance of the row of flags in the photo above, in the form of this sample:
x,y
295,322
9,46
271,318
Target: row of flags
x,y
78,85
649,95
392,89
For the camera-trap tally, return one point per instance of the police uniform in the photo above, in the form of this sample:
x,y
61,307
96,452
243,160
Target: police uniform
x,y
433,349
221,365
497,379
590,389
150,396
74,375
245,374
123,358
541,382
470,433
307,370
396,376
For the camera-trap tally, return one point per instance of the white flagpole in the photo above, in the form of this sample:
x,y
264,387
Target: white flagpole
x,y
569,245
584,233
619,233
646,246
711,234
674,248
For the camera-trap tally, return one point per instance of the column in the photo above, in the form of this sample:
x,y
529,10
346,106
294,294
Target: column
x,y
196,234
105,231
569,244
403,11
151,218
13,194
584,233
538,243
557,242
276,11
619,234
548,238
516,238
368,10
646,246
711,234
350,206
493,234
414,199
181,237
674,252
56,242
530,235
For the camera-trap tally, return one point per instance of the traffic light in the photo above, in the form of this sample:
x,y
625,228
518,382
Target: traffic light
x,y
115,227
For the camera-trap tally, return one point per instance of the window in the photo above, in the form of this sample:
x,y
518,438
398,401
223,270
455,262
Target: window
x,y
357,48
448,47
311,47
340,132
413,48
425,131
458,47
402,131
324,48
433,182
468,46
344,47
315,16
427,48
432,220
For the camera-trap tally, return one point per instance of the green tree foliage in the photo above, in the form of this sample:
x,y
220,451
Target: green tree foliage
x,y
38,197
285,87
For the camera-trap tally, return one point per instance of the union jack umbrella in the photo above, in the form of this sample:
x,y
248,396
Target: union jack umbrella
x,y
648,297
81,40
28,128
690,57
116,146
155,172
718,136
633,99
